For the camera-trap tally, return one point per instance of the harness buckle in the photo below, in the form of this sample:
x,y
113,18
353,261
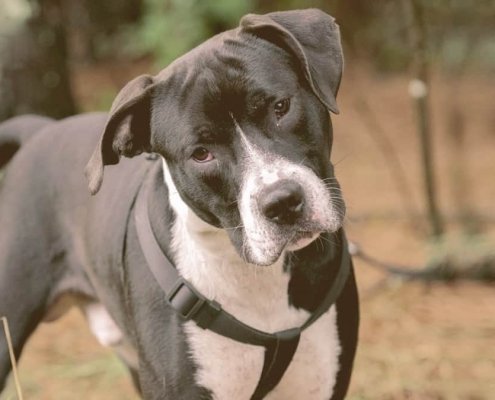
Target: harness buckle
x,y
191,305
185,300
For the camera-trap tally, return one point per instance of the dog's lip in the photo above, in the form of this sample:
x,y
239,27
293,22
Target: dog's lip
x,y
296,241
301,239
304,234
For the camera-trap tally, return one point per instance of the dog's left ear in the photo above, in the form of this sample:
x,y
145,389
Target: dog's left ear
x,y
313,38
127,132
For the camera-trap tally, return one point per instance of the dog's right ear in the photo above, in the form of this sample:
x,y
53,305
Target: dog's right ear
x,y
127,132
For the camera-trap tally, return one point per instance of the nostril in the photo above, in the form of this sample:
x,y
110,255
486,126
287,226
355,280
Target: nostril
x,y
271,210
282,202
294,200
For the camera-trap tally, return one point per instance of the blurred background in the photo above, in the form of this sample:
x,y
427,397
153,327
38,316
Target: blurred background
x,y
414,150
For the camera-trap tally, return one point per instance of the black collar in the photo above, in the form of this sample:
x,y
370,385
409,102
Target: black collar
x,y
208,314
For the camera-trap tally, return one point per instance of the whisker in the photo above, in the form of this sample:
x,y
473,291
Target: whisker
x,y
329,240
342,159
331,186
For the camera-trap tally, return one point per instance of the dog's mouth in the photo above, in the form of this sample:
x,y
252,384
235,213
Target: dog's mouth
x,y
301,239
289,242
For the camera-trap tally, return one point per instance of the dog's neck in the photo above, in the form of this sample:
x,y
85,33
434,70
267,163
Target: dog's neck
x,y
205,256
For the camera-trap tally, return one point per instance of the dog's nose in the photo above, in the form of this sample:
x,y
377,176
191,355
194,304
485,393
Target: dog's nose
x,y
282,202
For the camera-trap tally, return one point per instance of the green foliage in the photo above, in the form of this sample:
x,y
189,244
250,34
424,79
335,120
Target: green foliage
x,y
169,29
102,100
458,30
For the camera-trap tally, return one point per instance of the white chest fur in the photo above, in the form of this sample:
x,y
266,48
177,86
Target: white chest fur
x,y
258,297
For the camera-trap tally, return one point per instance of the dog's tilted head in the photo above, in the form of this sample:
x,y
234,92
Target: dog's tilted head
x,y
243,124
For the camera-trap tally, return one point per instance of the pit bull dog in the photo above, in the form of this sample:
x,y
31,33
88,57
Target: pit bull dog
x,y
212,257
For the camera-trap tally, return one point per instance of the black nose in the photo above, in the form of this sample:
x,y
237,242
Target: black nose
x,y
282,202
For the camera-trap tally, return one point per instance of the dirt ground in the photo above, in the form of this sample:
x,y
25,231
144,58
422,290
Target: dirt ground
x,y
417,341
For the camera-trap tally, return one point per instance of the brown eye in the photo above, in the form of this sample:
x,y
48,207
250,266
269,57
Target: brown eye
x,y
202,155
281,108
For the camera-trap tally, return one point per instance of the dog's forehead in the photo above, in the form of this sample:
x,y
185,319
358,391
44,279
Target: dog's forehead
x,y
230,74
231,65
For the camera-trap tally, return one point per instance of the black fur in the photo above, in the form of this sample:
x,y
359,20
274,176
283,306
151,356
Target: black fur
x,y
56,238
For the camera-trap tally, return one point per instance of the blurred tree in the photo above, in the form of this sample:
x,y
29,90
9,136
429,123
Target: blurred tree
x,y
93,24
169,28
419,88
33,64
40,41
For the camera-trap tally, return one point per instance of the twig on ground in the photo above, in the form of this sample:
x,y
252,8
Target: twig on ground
x,y
393,269
448,267
8,338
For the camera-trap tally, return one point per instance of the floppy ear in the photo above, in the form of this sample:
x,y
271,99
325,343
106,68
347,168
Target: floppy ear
x,y
313,38
127,132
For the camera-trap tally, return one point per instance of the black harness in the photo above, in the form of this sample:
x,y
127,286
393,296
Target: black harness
x,y
208,314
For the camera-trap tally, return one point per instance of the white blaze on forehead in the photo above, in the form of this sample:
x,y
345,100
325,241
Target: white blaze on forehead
x,y
257,158
253,155
244,139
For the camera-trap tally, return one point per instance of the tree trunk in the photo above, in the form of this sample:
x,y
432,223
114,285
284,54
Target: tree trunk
x,y
34,75
419,90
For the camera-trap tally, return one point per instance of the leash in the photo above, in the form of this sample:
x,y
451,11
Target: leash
x,y
190,304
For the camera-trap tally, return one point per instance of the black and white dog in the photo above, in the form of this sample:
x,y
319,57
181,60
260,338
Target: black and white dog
x,y
241,196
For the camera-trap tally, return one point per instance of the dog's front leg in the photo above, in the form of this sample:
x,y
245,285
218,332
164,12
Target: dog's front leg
x,y
166,370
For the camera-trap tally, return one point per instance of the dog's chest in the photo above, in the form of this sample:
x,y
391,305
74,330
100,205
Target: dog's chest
x,y
231,370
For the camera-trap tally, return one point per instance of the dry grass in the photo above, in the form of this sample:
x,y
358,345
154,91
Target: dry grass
x,y
423,341
64,362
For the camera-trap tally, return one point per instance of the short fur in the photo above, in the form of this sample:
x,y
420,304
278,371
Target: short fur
x,y
60,246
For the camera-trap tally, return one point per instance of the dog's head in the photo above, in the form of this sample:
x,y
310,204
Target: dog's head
x,y
243,124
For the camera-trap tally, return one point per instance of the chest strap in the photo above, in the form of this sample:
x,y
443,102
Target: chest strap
x,y
190,304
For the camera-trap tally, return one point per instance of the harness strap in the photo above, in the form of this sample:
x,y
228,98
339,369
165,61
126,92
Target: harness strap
x,y
278,356
208,314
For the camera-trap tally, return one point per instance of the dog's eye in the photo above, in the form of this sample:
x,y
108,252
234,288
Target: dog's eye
x,y
202,155
281,108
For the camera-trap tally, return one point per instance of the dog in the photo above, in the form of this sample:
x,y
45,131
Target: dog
x,y
229,146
